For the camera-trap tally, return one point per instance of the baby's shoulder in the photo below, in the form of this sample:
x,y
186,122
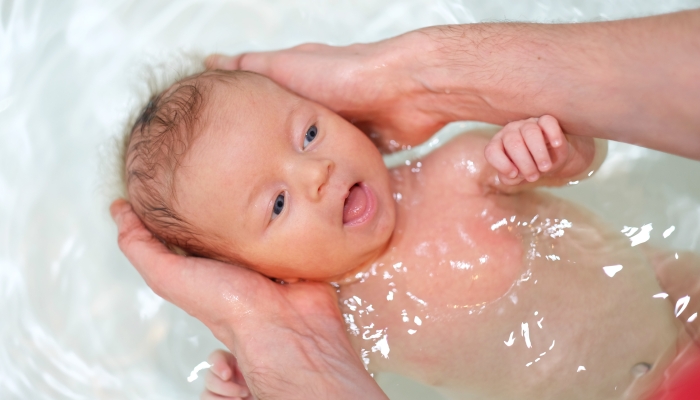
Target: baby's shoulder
x,y
460,162
468,145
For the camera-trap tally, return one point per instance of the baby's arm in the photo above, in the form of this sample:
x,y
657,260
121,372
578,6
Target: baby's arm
x,y
525,151
224,380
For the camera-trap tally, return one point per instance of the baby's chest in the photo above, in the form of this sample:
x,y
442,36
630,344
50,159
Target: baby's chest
x,y
444,232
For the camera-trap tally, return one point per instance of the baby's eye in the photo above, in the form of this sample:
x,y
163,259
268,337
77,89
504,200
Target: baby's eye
x,y
279,206
310,135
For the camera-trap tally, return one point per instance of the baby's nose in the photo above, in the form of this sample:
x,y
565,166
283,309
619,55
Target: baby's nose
x,y
317,174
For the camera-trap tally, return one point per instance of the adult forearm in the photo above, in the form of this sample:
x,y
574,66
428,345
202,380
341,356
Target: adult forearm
x,y
636,81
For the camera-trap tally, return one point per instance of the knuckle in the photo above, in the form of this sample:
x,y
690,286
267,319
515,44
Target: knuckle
x,y
531,130
513,125
546,119
491,150
514,141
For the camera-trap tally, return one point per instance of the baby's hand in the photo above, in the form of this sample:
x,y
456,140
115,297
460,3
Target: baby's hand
x,y
224,380
524,149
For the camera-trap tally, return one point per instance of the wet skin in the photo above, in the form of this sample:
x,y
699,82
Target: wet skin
x,y
508,305
251,151
443,268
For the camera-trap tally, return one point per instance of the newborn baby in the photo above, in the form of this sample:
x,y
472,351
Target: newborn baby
x,y
449,270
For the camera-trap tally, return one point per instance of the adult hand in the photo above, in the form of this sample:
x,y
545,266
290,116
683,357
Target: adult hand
x,y
404,88
289,340
372,85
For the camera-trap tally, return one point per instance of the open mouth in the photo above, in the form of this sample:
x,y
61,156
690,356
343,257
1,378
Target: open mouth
x,y
359,204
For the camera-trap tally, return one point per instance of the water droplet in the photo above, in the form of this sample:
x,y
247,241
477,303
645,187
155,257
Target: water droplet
x,y
640,369
669,231
611,270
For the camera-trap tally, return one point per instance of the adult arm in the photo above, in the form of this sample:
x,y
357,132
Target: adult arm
x,y
635,80
289,340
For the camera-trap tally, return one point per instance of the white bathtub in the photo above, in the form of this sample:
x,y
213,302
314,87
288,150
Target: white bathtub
x,y
76,320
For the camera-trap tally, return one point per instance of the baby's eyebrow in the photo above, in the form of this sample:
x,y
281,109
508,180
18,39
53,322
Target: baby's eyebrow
x,y
289,121
252,202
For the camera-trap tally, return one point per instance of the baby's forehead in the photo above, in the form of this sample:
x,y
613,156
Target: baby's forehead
x,y
240,110
247,99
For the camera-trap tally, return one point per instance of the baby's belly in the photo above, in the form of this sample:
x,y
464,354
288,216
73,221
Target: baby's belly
x,y
575,318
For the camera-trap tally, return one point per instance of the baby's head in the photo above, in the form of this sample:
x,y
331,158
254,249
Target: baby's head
x,y
228,165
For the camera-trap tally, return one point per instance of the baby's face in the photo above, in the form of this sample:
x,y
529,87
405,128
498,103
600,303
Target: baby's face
x,y
288,186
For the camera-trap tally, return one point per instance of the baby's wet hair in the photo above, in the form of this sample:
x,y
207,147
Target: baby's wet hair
x,y
154,147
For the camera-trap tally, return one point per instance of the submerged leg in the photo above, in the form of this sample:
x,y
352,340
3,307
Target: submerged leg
x,y
678,274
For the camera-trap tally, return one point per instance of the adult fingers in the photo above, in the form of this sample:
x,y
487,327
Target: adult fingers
x,y
262,61
257,62
534,139
146,253
222,61
179,279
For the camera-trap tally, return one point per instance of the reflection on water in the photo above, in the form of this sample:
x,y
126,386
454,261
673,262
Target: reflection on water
x,y
78,322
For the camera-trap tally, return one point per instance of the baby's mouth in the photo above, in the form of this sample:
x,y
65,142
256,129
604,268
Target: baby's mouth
x,y
356,205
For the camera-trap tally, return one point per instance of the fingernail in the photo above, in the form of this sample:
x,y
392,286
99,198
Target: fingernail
x,y
556,143
532,178
225,374
243,393
544,166
513,174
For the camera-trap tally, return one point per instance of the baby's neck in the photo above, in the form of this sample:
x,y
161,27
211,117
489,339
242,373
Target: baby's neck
x,y
357,273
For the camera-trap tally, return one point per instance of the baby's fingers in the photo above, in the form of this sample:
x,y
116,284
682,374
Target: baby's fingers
x,y
517,151
215,386
510,181
550,127
534,139
223,377
559,151
222,364
496,156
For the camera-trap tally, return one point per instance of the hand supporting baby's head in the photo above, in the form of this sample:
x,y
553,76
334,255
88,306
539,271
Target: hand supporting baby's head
x,y
228,165
157,142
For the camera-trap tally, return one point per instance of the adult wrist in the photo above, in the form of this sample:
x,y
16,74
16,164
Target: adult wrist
x,y
318,362
493,73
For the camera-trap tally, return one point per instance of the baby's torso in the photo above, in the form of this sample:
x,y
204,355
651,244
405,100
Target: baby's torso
x,y
506,296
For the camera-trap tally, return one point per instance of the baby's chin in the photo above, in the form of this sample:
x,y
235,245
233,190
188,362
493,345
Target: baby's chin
x,y
301,277
292,275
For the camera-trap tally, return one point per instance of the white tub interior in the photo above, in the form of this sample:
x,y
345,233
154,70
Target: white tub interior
x,y
76,320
